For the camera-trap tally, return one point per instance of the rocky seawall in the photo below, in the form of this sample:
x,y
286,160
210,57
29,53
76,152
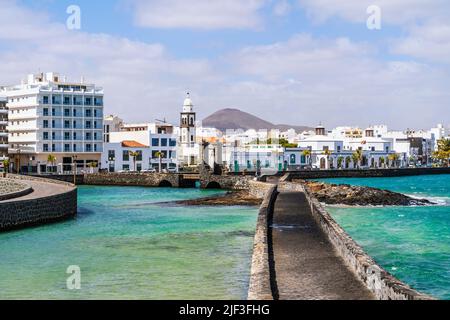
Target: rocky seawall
x,y
345,194
238,198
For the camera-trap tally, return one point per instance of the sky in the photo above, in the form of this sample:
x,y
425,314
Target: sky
x,y
296,62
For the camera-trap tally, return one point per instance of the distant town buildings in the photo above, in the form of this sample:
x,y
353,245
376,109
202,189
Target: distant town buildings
x,y
49,125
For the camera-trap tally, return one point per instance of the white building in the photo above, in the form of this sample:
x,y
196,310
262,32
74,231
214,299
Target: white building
x,y
156,142
49,116
3,130
111,123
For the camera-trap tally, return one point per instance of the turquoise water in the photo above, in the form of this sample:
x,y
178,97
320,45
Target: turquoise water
x,y
127,247
412,243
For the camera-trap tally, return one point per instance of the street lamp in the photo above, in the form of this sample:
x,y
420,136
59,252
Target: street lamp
x,y
74,160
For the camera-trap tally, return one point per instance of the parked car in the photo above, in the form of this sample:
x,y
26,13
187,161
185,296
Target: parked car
x,y
150,170
172,170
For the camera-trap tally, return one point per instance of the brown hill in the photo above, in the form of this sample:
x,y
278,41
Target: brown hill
x,y
237,119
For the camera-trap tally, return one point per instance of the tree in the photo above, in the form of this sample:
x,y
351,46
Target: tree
x,y
307,154
92,165
134,155
382,162
52,160
340,160
328,154
442,155
5,167
393,158
348,159
160,155
357,157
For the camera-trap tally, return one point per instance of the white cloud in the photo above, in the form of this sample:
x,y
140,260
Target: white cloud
x,y
198,14
398,12
282,7
430,42
303,80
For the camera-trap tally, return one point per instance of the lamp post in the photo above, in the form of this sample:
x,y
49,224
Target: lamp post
x,y
74,160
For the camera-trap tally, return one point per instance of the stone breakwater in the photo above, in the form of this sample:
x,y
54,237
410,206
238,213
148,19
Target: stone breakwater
x,y
381,283
49,202
344,194
260,287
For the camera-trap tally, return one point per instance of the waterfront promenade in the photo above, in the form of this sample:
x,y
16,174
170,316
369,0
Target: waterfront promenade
x,y
306,265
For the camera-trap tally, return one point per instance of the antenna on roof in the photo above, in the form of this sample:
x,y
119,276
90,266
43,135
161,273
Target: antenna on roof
x,y
162,121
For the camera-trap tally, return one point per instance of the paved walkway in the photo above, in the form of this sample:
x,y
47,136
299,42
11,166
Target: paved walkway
x,y
306,265
41,189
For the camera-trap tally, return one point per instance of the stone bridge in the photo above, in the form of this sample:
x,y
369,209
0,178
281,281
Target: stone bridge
x,y
301,253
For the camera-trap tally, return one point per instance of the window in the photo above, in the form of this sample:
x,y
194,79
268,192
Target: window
x,y
77,101
139,166
53,136
98,101
66,135
111,155
53,124
373,148
45,100
66,124
45,135
53,147
126,167
45,147
88,113
66,100
303,159
95,147
95,124
338,148
88,147
53,112
74,148
67,148
45,112
88,124
172,142
45,124
66,112
387,149
293,159
163,142
155,142
74,124
125,155
88,136
74,136
74,112
88,101
95,113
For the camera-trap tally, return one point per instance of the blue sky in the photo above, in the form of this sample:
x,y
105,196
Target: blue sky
x,y
288,61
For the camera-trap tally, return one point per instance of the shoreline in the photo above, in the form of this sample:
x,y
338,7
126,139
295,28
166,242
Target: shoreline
x,y
229,199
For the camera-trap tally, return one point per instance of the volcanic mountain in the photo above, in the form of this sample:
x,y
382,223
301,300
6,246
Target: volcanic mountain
x,y
237,119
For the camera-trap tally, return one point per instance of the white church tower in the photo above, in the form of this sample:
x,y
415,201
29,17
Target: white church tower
x,y
188,132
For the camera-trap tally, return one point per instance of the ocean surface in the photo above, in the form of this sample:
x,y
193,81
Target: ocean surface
x,y
412,243
127,247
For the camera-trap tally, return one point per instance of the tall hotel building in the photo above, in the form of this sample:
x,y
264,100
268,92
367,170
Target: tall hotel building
x,y
3,131
49,116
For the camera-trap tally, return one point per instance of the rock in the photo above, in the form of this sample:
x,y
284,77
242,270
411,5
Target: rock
x,y
360,196
240,198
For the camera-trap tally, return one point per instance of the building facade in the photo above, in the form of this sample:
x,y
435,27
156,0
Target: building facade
x,y
155,142
189,148
54,124
3,130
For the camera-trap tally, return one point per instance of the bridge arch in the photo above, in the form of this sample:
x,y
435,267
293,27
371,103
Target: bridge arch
x,y
213,185
165,184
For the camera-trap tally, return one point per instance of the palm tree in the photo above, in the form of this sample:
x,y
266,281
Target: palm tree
x,y
307,154
340,160
52,160
5,167
92,165
348,159
382,162
134,155
160,155
328,154
394,158
357,157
